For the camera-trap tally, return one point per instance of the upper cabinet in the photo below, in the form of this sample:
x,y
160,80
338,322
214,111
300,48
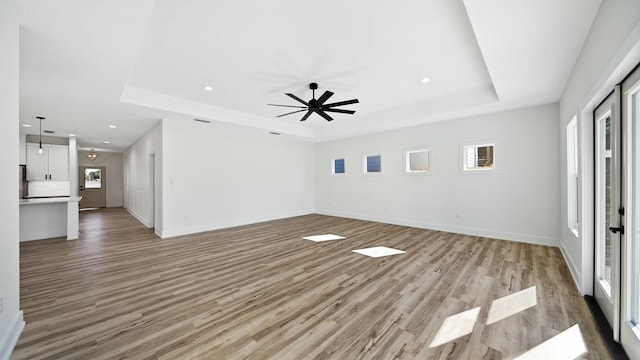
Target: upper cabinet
x,y
52,164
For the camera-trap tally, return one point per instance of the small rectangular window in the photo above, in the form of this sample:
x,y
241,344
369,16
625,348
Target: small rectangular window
x,y
480,157
92,178
338,166
572,175
417,161
373,164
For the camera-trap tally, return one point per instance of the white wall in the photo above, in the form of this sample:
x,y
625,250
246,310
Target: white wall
x,y
518,202
73,166
11,321
611,50
115,177
219,175
139,197
23,148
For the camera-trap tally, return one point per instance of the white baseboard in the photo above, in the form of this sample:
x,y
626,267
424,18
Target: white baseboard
x,y
158,231
167,233
45,234
140,218
10,338
575,273
500,235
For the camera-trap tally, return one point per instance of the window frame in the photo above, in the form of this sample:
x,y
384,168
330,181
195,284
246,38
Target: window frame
x,y
573,176
364,164
478,144
333,165
407,163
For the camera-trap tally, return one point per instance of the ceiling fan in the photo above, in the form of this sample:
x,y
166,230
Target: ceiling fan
x,y
317,105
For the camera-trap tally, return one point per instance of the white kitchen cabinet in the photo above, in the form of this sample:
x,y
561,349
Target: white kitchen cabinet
x,y
52,164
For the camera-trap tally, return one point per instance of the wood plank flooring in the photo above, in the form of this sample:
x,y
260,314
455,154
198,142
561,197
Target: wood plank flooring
x,y
262,292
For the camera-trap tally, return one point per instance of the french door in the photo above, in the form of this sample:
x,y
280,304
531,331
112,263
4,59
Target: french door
x,y
630,246
617,212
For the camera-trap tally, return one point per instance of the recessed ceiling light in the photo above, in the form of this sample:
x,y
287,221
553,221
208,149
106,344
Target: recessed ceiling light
x,y
26,125
425,80
112,126
106,142
207,88
72,135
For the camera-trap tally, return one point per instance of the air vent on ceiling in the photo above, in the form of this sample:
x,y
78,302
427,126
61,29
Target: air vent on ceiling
x,y
48,131
203,121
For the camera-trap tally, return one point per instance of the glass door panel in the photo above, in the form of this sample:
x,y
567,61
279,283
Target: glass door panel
x,y
630,309
607,222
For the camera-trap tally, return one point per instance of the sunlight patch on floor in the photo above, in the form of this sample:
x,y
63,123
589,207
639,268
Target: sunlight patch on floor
x,y
379,251
567,345
324,237
512,304
456,326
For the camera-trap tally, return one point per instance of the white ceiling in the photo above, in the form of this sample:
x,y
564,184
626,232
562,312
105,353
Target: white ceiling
x,y
86,65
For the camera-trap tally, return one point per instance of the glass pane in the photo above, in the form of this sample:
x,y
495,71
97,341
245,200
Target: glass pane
x,y
478,157
635,233
374,164
338,166
92,178
603,202
607,222
418,161
572,175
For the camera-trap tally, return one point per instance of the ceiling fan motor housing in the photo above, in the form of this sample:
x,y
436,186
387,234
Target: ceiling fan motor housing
x,y
317,106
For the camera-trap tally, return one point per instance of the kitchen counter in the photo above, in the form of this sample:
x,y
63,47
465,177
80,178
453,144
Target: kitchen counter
x,y
44,218
51,200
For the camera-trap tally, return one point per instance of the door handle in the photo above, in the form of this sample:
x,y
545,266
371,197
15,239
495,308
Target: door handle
x,y
617,229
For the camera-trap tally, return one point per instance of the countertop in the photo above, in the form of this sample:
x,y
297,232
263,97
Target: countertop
x,y
52,200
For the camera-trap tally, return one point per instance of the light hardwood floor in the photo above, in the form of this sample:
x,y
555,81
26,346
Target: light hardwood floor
x,y
262,292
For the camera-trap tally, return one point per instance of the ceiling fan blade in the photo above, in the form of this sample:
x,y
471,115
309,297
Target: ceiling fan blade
x,y
293,112
323,114
297,98
340,111
339,103
306,116
291,106
327,94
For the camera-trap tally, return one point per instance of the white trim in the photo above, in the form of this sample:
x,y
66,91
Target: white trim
x,y
573,269
333,165
364,164
140,218
10,339
158,231
406,161
45,234
572,175
499,235
477,144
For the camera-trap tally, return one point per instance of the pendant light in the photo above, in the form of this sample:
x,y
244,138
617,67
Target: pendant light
x,y
92,155
40,150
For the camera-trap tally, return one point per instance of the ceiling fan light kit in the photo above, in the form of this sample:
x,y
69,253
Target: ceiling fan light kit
x,y
318,105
